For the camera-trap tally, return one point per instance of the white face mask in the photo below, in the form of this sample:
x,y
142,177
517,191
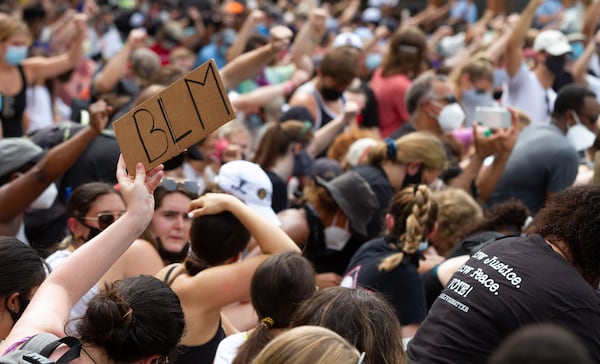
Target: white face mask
x,y
336,237
580,137
451,117
46,199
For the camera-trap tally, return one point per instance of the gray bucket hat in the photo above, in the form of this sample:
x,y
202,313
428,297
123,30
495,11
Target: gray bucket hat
x,y
354,197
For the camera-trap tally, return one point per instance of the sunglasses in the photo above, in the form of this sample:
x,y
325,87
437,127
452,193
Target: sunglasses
x,y
105,219
172,185
450,99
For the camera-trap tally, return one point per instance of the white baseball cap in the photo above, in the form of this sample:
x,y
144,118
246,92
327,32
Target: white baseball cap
x,y
347,39
248,182
552,42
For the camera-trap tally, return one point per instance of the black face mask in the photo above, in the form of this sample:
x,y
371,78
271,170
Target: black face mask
x,y
414,179
556,64
330,94
172,257
303,164
15,316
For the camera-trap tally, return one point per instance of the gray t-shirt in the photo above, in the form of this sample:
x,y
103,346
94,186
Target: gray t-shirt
x,y
542,161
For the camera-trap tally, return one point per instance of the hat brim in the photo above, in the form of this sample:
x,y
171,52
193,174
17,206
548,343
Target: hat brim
x,y
356,223
266,212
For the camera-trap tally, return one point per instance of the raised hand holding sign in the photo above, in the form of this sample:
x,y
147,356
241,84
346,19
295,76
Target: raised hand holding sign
x,y
166,124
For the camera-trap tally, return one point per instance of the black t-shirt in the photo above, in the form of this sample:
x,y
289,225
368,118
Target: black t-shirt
x,y
377,180
402,286
504,286
279,199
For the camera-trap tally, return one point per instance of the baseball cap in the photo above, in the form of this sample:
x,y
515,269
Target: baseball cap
x,y
371,15
552,42
16,152
248,182
354,197
326,168
348,39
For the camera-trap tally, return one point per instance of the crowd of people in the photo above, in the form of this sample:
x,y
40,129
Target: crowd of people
x,y
402,183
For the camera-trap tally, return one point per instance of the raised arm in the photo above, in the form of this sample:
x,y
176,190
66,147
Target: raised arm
x,y
323,137
241,40
228,283
265,94
514,45
50,307
42,68
250,63
18,194
309,35
116,67
580,67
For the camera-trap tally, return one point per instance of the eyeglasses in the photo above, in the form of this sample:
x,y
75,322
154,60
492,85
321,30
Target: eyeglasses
x,y
450,99
105,219
188,187
361,360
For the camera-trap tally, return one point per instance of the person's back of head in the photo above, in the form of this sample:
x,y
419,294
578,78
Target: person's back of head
x,y
364,318
134,319
277,139
308,344
541,344
573,217
278,286
419,146
456,209
215,239
21,272
414,214
144,64
407,53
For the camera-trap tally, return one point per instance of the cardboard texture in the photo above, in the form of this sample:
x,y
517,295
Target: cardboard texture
x,y
166,124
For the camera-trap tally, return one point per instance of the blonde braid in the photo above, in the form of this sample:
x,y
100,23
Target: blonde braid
x,y
416,223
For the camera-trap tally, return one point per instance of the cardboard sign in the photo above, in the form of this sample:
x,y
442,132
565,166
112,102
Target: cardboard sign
x,y
166,124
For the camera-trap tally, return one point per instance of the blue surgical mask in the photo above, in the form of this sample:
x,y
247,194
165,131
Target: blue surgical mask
x,y
373,61
500,76
577,49
15,54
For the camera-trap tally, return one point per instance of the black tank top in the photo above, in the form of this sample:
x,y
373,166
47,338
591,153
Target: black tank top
x,y
13,107
199,354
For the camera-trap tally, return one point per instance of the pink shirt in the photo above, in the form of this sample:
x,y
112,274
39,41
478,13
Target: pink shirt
x,y
390,93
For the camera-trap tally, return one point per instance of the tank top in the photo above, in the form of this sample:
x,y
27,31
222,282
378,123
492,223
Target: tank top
x,y
198,354
324,114
13,107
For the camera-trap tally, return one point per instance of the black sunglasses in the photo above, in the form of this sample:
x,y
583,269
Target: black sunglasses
x,y
105,219
188,187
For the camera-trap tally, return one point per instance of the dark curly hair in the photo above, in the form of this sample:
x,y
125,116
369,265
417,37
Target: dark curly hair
x,y
573,216
133,319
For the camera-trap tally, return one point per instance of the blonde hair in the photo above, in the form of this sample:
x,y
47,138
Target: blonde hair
x,y
419,146
414,215
308,344
10,26
456,209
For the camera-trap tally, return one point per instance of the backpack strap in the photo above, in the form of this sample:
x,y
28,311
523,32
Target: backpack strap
x,y
45,343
